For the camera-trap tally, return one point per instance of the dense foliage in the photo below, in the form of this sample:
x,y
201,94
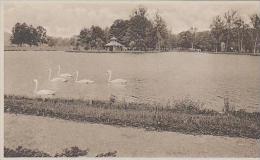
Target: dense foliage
x,y
228,33
92,38
236,34
25,152
137,33
27,34
141,33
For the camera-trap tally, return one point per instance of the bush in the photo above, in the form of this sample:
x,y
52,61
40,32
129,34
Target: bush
x,y
72,152
227,107
108,154
24,152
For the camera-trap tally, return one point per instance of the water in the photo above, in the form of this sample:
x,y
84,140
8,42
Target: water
x,y
151,77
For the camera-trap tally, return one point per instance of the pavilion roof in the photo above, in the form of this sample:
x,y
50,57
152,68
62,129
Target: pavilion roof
x,y
114,43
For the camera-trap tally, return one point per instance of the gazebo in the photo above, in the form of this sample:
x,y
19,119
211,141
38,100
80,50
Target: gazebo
x,y
113,45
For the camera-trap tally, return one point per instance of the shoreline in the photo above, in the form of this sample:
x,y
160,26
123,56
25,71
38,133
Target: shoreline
x,y
182,116
132,52
173,51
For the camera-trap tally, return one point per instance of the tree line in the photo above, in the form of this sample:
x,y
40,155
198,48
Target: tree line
x,y
236,34
136,33
23,33
228,33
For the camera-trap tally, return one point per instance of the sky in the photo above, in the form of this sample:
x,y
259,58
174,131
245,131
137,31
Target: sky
x,y
67,18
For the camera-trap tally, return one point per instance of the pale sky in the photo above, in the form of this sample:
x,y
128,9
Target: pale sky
x,y
65,19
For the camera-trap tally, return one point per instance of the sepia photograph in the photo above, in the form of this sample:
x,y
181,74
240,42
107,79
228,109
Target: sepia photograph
x,y
151,79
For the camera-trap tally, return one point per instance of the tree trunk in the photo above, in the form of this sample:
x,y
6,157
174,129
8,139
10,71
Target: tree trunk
x,y
255,44
218,44
241,45
238,43
226,47
238,47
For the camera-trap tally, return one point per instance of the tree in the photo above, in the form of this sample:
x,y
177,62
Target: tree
x,y
241,28
139,30
74,41
217,30
230,18
92,38
161,32
85,37
248,42
255,21
42,34
51,41
172,41
27,34
184,39
19,34
32,37
97,36
119,29
204,41
107,34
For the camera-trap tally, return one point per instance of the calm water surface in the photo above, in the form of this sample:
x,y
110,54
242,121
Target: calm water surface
x,y
151,77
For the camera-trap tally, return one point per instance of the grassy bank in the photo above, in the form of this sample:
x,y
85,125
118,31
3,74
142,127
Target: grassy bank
x,y
183,116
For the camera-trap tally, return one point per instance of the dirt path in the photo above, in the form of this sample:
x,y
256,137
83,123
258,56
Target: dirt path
x,y
53,135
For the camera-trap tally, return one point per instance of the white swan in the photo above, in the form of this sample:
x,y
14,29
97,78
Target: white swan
x,y
56,79
87,81
42,92
115,81
64,75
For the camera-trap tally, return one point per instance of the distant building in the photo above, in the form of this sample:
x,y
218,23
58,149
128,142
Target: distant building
x,y
113,45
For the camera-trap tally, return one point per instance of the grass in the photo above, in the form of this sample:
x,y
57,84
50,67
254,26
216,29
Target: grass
x,y
72,152
185,116
108,154
67,152
24,152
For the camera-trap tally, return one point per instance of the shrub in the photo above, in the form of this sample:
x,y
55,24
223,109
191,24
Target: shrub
x,y
72,152
24,152
108,154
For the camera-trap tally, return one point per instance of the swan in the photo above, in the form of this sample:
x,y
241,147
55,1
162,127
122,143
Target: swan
x,y
64,75
42,92
115,81
87,81
56,79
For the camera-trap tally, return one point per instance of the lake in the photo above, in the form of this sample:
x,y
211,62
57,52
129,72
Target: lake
x,y
152,77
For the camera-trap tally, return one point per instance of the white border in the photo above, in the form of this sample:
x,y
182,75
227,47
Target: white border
x,y
1,80
2,2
